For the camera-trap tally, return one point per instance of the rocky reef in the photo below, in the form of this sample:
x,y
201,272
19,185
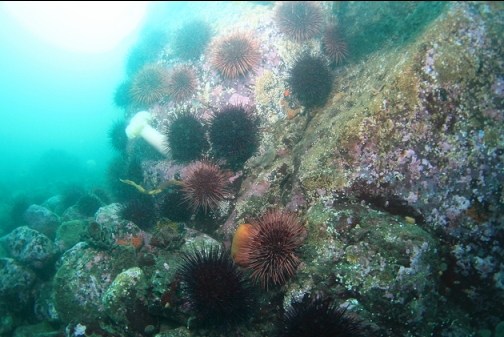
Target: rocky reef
x,y
396,177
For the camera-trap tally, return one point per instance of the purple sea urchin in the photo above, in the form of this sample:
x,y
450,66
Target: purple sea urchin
x,y
236,55
205,185
299,20
185,137
192,39
234,134
122,95
269,250
318,317
334,45
310,81
117,136
181,83
140,210
149,86
216,289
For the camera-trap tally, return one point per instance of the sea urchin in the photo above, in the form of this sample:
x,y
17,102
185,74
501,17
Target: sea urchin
x,y
310,81
234,134
299,20
216,289
149,86
140,210
117,136
269,249
205,185
334,45
192,39
236,55
318,317
185,137
122,96
181,83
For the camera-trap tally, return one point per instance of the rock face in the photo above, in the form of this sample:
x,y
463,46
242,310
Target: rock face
x,y
379,263
42,220
125,300
83,276
30,247
414,131
69,233
17,282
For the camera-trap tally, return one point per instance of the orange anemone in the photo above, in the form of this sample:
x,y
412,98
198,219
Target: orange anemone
x,y
240,238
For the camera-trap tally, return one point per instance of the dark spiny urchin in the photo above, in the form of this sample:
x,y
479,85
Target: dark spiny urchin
x,y
181,83
192,39
318,317
234,134
149,86
88,204
205,185
269,249
335,46
174,206
102,194
70,194
117,136
185,137
299,20
310,81
235,55
149,47
218,293
122,95
140,210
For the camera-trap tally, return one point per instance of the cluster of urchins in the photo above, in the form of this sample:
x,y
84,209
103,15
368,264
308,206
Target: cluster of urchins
x,y
220,294
218,285
233,56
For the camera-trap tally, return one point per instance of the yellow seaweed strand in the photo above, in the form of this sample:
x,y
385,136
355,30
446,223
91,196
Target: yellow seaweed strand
x,y
155,191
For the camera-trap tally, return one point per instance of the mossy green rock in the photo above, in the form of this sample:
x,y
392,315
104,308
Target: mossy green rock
x,y
84,275
69,233
127,288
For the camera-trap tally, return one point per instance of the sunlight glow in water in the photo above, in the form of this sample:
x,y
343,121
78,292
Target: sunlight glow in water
x,y
82,26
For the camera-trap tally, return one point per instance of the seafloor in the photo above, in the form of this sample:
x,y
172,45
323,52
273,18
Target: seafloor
x,y
397,179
